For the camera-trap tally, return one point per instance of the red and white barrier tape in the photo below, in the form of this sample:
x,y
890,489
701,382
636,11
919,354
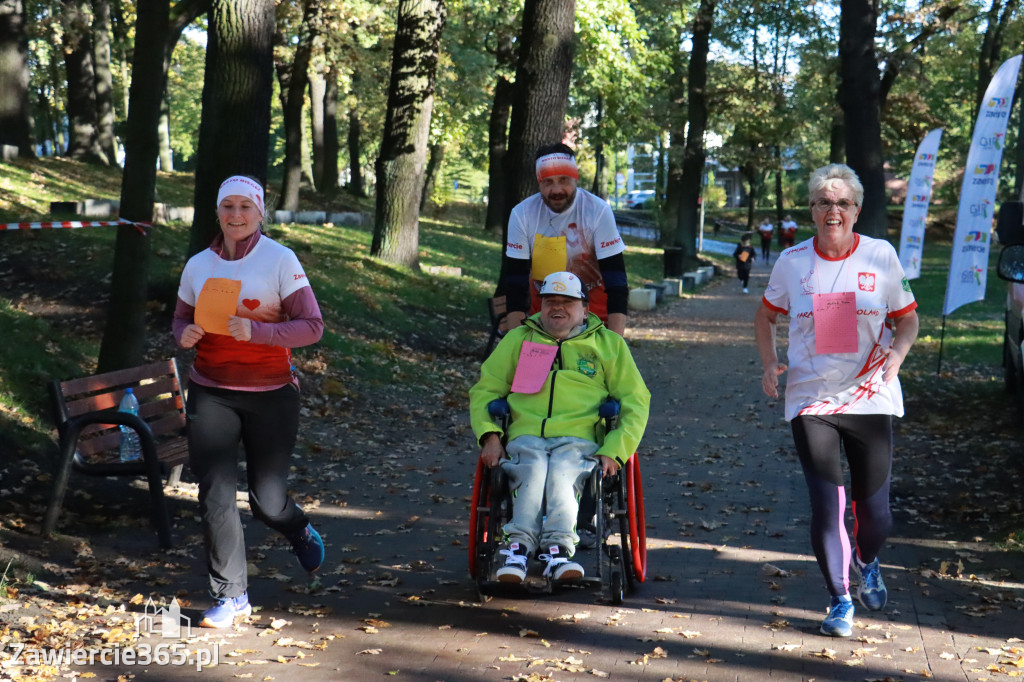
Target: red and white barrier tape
x,y
71,224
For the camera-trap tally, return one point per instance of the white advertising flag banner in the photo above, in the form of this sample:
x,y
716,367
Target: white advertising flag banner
x,y
968,266
915,209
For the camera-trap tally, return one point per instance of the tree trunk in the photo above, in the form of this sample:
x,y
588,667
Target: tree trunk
x,y
317,91
541,92
81,109
293,99
539,100
675,152
989,57
183,14
403,151
165,155
327,183
837,140
753,193
780,204
693,156
355,151
430,176
124,336
234,132
859,98
597,188
15,117
105,139
497,144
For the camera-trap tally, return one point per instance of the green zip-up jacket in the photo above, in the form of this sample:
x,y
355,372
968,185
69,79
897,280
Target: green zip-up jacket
x,y
586,371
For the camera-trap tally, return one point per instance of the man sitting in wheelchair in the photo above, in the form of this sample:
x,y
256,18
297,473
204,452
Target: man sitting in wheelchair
x,y
556,370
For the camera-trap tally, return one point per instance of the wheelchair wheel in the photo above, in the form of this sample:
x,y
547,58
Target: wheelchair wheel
x,y
479,515
637,524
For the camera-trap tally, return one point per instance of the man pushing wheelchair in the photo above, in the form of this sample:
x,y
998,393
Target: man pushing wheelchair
x,y
556,371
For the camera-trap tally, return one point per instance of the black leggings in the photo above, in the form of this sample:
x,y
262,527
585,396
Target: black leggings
x,y
867,442
266,423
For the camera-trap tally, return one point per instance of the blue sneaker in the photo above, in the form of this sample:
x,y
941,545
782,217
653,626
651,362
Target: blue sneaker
x,y
871,591
839,621
309,547
225,611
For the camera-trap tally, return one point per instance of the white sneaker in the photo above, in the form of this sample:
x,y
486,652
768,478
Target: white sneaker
x,y
514,570
560,567
746,290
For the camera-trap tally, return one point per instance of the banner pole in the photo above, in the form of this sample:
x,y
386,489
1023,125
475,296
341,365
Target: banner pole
x,y
942,338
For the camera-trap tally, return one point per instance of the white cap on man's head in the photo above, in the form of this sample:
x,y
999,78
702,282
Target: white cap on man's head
x,y
563,284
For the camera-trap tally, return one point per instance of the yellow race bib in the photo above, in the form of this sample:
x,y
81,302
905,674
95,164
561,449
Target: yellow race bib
x,y
549,255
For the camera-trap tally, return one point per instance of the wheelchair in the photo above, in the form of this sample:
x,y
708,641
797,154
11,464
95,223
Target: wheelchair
x,y
618,563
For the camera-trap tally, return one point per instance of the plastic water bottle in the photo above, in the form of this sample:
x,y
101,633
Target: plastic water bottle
x,y
131,447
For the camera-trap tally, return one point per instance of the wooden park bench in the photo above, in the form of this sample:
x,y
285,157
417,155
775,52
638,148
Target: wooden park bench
x,y
497,310
85,411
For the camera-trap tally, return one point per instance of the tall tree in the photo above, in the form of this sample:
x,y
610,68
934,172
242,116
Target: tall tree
x,y
81,89
235,129
859,97
124,337
989,57
497,130
293,93
317,108
106,141
327,182
355,150
403,151
15,116
693,156
546,47
190,59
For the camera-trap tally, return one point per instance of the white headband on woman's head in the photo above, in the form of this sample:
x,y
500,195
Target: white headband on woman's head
x,y
244,187
557,163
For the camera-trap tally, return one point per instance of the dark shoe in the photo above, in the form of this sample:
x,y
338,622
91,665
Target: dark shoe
x,y
588,537
560,567
309,547
514,570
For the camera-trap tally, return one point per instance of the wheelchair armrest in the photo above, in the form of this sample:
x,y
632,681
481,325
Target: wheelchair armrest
x,y
609,408
499,408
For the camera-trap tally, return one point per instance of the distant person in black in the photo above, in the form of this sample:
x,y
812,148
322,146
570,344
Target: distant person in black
x,y
745,256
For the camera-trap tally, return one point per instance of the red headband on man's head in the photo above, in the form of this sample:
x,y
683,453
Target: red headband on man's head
x,y
558,163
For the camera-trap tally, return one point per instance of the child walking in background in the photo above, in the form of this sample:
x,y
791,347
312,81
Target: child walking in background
x,y
744,255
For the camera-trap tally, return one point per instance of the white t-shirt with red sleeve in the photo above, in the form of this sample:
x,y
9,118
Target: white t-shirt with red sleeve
x,y
268,274
840,383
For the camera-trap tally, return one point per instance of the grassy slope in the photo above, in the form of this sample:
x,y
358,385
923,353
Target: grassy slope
x,y
389,329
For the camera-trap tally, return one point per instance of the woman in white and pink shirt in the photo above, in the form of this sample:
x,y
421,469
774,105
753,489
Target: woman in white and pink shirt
x,y
243,304
852,323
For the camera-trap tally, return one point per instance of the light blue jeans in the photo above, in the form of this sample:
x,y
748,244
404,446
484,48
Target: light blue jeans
x,y
551,468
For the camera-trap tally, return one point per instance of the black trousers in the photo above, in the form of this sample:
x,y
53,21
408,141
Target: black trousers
x,y
866,440
266,424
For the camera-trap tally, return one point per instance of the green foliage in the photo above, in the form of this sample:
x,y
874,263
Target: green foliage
x,y
187,67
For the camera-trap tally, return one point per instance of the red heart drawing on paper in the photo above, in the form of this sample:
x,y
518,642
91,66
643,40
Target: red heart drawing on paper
x,y
251,303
